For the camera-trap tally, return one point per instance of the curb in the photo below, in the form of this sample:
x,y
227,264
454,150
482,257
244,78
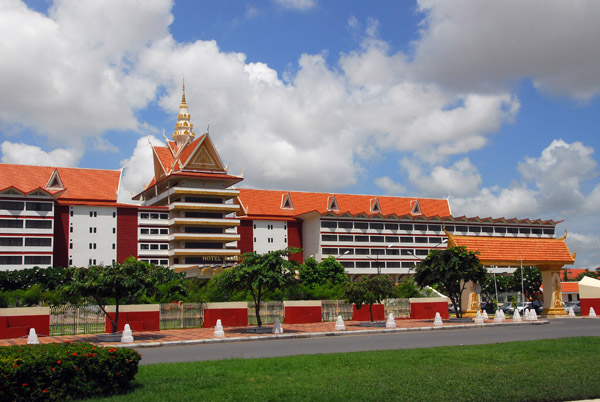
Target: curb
x,y
273,337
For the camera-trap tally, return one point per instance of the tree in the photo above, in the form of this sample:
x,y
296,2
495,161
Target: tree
x,y
327,272
592,274
532,282
122,283
259,274
450,270
370,291
491,282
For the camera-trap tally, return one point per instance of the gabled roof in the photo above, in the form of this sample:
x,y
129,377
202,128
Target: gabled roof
x,y
78,184
569,287
268,203
514,250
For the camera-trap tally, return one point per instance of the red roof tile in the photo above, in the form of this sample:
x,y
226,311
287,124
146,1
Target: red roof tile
x,y
269,202
569,287
573,273
512,250
79,184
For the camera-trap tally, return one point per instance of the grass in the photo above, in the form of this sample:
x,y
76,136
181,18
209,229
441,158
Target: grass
x,y
546,370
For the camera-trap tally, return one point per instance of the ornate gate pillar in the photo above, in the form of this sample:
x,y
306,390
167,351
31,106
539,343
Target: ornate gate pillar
x,y
471,300
553,304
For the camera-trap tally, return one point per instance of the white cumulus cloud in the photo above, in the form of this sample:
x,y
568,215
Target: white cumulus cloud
x,y
24,154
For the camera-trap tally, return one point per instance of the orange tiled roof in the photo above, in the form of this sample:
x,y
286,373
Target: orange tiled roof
x,y
573,273
79,184
165,157
569,287
513,250
269,202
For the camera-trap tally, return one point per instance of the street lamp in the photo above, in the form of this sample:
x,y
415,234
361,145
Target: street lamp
x,y
377,259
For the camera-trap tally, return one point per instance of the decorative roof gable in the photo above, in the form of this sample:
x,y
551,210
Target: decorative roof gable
x,y
203,157
55,183
416,208
375,207
286,202
332,204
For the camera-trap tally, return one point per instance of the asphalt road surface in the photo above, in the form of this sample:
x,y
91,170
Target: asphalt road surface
x,y
557,328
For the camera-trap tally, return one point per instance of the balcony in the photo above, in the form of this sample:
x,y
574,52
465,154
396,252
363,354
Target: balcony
x,y
223,222
218,237
182,252
197,206
161,198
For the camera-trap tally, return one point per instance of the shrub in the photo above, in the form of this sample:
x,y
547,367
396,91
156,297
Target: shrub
x,y
64,371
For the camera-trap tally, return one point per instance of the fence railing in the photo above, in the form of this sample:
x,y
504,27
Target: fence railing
x,y
89,319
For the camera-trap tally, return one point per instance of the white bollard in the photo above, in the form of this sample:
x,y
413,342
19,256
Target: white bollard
x,y
533,315
32,339
527,315
219,332
478,318
498,316
277,326
339,324
438,320
127,336
571,313
516,316
390,323
592,313
485,315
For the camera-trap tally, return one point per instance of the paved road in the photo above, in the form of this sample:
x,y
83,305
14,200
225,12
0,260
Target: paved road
x,y
557,328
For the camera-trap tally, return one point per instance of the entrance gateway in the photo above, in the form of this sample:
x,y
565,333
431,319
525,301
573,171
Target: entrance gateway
x,y
547,254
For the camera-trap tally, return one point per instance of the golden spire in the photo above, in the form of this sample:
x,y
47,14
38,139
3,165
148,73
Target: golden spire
x,y
183,96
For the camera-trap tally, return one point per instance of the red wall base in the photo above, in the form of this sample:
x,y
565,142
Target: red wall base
x,y
302,314
137,320
426,311
19,326
363,314
230,317
587,303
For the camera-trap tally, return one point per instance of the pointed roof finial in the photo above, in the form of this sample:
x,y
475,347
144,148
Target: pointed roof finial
x,y
183,96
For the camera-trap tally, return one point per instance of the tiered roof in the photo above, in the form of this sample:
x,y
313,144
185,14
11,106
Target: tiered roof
x,y
64,184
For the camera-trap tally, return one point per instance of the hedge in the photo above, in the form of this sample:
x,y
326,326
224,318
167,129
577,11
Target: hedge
x,y
65,371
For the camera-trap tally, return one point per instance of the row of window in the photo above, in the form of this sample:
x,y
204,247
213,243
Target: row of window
x,y
29,206
29,260
271,227
148,215
381,239
377,265
154,231
154,246
29,241
435,228
374,251
164,263
29,223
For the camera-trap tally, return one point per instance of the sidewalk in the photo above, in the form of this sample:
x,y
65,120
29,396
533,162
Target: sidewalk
x,y
172,337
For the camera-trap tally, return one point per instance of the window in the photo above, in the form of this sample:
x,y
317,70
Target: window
x,y
406,226
164,246
164,262
345,225
11,241
361,225
346,251
362,251
164,216
377,239
11,260
90,245
144,247
11,223
393,264
144,216
392,239
420,239
500,230
154,247
329,224
524,230
71,229
474,229
421,252
363,264
91,216
114,246
377,251
328,237
421,227
347,264
38,224
549,232
38,242
406,251
144,231
153,216
90,230
406,264
435,228
94,246
461,228
450,228
392,251
377,226
71,212
435,240
512,230
164,231
330,251
269,227
71,246
95,216
255,226
114,214
154,231
361,239
255,240
391,226
37,260
346,238
487,229
536,231
406,239
285,226
114,230
12,205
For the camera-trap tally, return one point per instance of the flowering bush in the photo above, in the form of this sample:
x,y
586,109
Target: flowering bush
x,y
63,371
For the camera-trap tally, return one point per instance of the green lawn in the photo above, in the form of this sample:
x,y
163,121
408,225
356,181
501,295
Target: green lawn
x,y
549,370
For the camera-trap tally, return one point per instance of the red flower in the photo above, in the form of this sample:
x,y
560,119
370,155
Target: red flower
x,y
74,354
25,384
58,362
93,355
67,341
94,348
44,390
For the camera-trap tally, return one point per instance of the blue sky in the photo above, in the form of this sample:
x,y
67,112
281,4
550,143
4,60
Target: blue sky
x,y
494,104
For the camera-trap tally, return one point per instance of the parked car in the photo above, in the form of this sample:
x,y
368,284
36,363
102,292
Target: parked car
x,y
487,307
575,305
507,308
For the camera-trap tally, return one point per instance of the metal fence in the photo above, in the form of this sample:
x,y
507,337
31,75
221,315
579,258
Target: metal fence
x,y
400,308
181,315
73,320
268,312
331,309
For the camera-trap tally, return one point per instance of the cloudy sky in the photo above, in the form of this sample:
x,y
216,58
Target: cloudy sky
x,y
494,104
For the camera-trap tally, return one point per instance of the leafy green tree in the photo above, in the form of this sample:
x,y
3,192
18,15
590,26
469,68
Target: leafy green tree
x,y
532,282
407,288
370,290
259,274
488,286
122,283
327,272
587,272
450,270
